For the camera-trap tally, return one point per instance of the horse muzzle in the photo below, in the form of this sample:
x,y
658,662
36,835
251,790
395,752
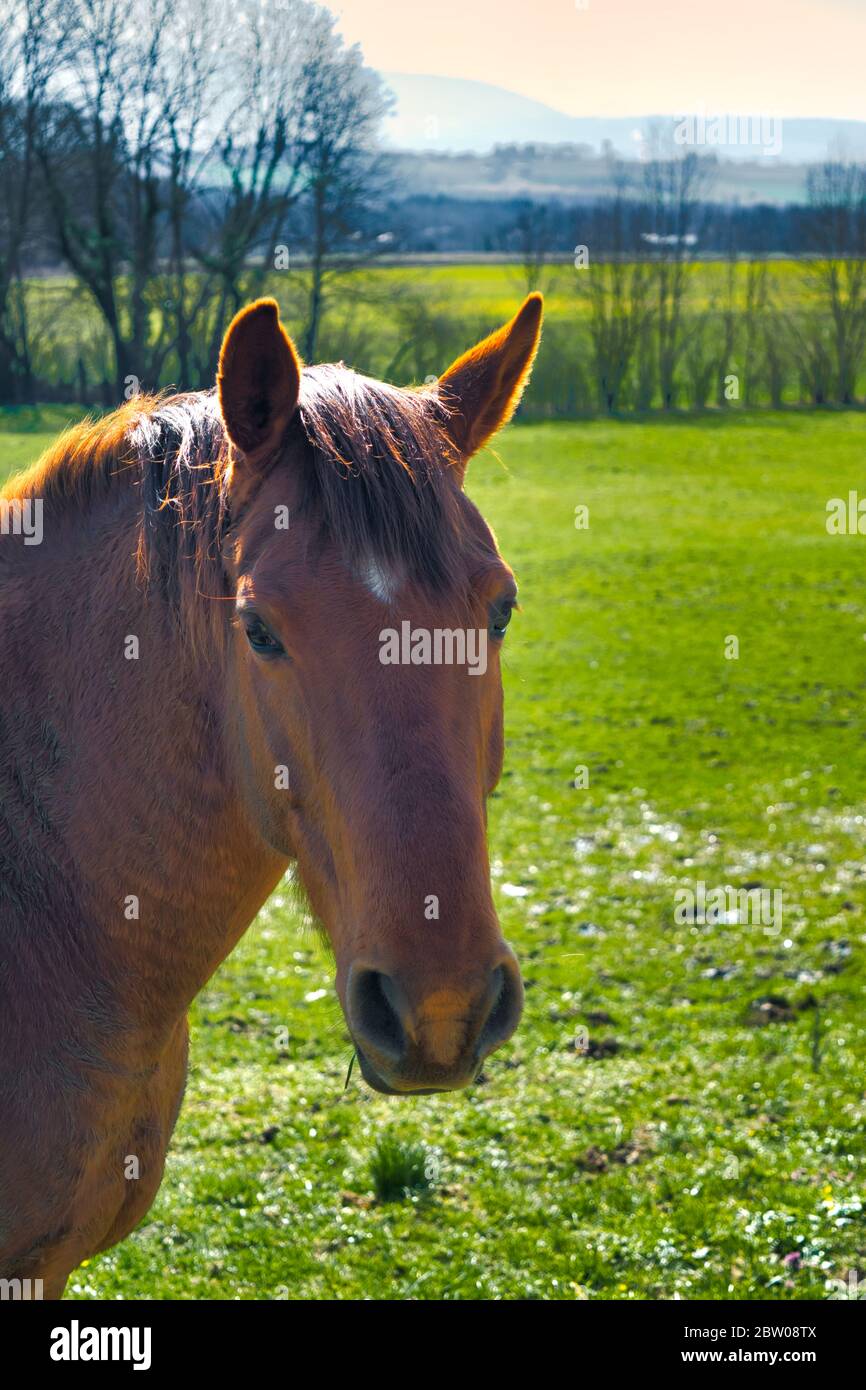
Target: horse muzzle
x,y
437,1042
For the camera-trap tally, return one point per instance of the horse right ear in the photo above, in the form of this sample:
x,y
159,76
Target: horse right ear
x,y
483,387
259,379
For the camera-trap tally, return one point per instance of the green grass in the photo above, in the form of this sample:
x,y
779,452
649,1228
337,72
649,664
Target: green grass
x,y
26,430
399,1168
640,1136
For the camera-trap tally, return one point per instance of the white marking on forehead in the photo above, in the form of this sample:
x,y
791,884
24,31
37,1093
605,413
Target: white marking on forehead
x,y
382,582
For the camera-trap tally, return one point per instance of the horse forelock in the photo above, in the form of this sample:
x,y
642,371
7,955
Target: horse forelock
x,y
375,479
378,473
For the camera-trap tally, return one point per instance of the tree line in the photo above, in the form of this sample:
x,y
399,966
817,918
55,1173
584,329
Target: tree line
x,y
662,334
161,159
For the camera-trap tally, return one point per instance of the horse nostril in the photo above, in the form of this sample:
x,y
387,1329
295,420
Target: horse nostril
x,y
373,1013
505,1010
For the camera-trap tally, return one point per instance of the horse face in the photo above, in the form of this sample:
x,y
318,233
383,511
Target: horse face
x,y
368,711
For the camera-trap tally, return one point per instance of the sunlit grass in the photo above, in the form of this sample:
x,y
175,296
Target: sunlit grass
x,y
685,1150
399,1168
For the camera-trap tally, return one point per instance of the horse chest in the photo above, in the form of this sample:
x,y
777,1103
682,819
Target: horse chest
x,y
104,1171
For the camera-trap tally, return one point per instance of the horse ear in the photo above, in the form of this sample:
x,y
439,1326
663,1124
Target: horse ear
x,y
483,387
259,379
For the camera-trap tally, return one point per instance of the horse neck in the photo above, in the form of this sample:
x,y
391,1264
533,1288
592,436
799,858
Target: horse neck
x,y
131,857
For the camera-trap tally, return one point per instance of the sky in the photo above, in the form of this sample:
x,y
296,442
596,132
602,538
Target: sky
x,y
631,57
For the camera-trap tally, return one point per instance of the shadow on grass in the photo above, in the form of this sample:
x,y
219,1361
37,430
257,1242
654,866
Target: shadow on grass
x,y
42,419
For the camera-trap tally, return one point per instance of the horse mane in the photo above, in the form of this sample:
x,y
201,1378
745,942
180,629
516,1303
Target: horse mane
x,y
375,475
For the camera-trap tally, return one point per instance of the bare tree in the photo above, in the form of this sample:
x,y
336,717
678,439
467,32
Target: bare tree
x,y
177,141
756,365
188,93
702,359
25,68
281,167
617,285
533,233
14,209
344,105
837,202
250,169
727,318
671,188
765,325
812,352
99,145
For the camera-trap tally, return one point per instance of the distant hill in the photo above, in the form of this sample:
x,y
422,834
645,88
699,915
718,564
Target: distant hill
x,y
455,114
575,173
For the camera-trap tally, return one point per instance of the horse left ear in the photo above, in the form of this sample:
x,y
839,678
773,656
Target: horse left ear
x,y
483,387
259,379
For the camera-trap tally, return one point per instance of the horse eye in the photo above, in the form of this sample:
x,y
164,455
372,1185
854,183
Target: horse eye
x,y
260,638
500,617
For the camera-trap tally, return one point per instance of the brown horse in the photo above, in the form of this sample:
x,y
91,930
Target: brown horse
x,y
196,692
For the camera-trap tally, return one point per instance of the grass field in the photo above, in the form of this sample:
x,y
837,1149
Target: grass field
x,y
653,1129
